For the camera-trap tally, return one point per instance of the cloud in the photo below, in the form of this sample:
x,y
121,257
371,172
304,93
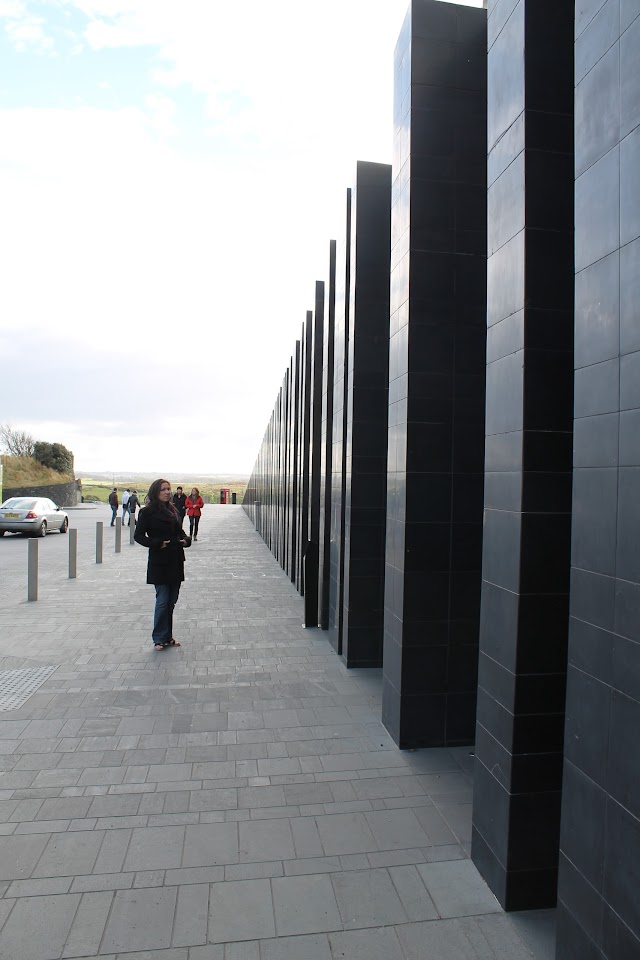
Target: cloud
x,y
162,113
24,29
13,9
159,256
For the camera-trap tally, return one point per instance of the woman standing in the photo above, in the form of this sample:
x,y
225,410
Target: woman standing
x,y
194,506
159,529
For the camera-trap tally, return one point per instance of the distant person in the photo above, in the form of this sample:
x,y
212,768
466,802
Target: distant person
x,y
125,503
134,503
194,505
159,529
113,503
180,503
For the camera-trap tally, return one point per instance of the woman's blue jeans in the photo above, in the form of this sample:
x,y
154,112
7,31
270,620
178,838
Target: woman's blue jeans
x,y
166,599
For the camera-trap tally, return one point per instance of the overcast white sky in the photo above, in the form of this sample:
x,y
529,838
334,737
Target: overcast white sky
x,y
171,173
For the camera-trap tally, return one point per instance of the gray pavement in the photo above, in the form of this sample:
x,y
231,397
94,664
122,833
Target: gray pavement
x,y
233,799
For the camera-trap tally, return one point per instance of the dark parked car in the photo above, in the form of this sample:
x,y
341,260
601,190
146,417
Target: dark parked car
x,y
32,515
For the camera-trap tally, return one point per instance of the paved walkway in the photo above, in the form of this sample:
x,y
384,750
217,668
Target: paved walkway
x,y
234,799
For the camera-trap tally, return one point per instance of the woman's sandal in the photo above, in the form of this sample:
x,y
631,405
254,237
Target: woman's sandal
x,y
158,646
173,643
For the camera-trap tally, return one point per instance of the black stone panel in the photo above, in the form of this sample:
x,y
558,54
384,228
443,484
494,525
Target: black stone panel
x,y
436,376
338,433
324,542
305,447
311,550
529,418
294,424
600,827
366,420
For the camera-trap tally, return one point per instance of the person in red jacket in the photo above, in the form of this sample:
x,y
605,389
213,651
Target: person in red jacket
x,y
194,505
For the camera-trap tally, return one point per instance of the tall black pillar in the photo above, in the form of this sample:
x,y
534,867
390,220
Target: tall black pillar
x,y
306,387
525,570
294,434
315,462
338,456
599,881
367,416
326,440
436,376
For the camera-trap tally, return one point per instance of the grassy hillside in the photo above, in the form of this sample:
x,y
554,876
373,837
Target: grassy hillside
x,y
98,488
26,472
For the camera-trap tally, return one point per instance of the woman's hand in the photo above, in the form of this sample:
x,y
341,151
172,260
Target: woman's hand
x,y
165,543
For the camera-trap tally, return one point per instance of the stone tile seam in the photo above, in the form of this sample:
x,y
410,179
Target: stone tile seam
x,y
408,861
367,926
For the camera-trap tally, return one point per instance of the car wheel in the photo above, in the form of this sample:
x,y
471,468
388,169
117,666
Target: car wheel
x,y
42,529
65,525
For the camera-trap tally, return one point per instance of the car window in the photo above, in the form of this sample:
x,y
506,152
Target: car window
x,y
19,502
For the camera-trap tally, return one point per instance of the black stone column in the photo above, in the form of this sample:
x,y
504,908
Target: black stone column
x,y
294,434
525,569
338,434
436,376
305,446
315,462
326,439
599,881
367,416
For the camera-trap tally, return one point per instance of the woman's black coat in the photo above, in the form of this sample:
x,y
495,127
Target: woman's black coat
x,y
165,564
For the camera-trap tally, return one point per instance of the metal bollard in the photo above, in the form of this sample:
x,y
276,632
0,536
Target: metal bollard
x,y
99,540
132,529
118,535
73,554
32,571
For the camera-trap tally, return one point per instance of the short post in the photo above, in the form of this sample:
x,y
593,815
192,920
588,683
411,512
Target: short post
x,y
32,571
99,540
132,528
73,554
234,498
118,535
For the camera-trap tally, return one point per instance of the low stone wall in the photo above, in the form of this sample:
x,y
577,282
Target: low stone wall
x,y
62,494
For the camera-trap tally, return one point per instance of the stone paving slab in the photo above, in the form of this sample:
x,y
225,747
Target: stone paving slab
x,y
236,798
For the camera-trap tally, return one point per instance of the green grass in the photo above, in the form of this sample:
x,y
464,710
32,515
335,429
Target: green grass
x,y
101,490
27,472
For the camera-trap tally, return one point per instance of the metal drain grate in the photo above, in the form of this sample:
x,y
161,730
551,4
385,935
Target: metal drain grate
x,y
16,686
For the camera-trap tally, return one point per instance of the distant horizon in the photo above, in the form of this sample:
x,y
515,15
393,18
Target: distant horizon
x,y
170,474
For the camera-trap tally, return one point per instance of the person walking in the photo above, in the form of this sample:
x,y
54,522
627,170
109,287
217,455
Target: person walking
x,y
134,503
194,504
180,503
125,504
158,528
113,503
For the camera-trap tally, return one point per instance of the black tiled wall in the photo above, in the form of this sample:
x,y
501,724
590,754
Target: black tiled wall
x,y
305,445
546,512
315,461
338,456
436,376
525,566
326,440
366,421
599,882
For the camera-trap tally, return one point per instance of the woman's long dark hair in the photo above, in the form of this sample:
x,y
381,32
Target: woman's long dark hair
x,y
156,503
